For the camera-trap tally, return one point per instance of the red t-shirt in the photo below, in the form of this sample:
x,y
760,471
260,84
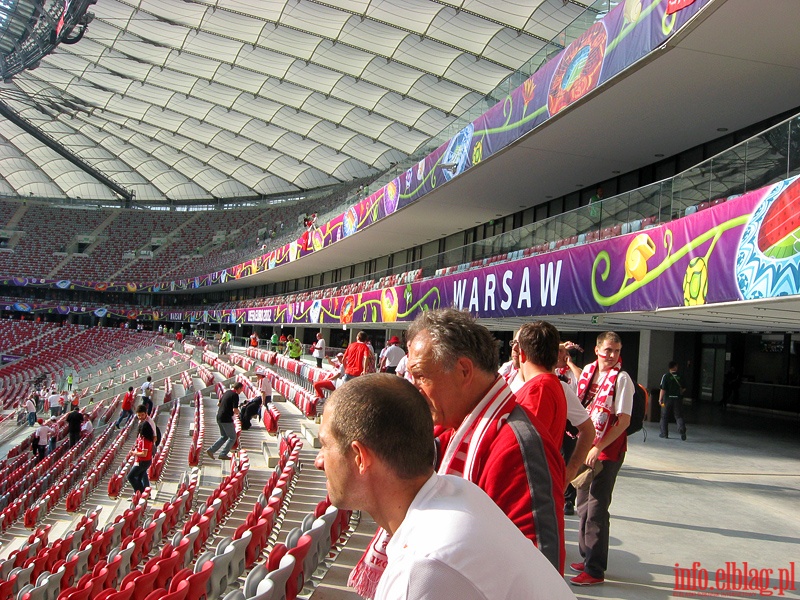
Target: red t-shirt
x,y
143,444
354,358
544,397
127,401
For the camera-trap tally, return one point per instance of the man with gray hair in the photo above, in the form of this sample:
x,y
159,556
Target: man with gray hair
x,y
483,434
448,539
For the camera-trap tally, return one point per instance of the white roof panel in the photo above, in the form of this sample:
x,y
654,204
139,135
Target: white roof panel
x,y
192,99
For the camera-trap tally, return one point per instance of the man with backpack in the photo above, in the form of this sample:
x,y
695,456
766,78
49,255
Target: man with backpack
x,y
607,391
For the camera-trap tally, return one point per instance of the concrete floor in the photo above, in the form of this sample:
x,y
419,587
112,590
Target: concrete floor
x,y
728,494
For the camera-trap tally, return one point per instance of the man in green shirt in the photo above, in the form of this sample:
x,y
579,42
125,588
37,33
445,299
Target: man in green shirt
x,y
274,341
671,401
224,342
294,348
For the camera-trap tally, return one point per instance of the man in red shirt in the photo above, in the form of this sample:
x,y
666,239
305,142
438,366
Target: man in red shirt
x,y
356,357
542,393
127,408
483,435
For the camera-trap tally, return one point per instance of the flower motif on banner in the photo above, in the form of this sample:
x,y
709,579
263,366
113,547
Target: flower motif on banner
x,y
528,90
695,282
632,11
391,195
350,222
348,308
579,70
477,152
389,305
639,251
317,240
637,272
768,258
455,158
315,311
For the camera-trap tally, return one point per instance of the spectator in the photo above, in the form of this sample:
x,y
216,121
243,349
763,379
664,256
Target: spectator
x,y
264,386
228,407
392,355
127,408
671,401
147,394
42,435
318,350
608,392
54,403
142,452
294,348
333,378
74,423
357,357
30,407
453,361
51,446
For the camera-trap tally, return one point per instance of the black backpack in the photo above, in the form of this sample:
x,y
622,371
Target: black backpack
x,y
640,399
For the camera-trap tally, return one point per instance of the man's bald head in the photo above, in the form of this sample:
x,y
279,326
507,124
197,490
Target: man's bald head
x,y
388,415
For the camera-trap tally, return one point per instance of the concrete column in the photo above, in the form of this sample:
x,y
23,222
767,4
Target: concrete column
x,y
656,349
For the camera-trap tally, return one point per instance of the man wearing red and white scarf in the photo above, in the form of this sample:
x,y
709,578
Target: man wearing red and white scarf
x,y
483,435
607,391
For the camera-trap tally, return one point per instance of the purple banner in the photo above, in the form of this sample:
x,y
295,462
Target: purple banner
x,y
740,249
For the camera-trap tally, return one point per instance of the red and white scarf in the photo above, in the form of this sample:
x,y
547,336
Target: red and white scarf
x,y
463,457
601,411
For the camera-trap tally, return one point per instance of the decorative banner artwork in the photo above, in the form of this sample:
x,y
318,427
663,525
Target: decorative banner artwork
x,y
630,31
745,248
742,248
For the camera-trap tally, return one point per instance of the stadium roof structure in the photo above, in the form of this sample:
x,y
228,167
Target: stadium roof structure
x,y
196,100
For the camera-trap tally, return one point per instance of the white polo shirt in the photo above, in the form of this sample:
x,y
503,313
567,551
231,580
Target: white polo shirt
x,y
455,543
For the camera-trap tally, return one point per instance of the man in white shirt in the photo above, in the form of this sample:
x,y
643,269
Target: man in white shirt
x,y
392,355
30,407
43,434
147,394
318,350
449,539
54,404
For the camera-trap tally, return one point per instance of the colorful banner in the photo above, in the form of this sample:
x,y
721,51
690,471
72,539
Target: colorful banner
x,y
742,249
745,248
626,34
